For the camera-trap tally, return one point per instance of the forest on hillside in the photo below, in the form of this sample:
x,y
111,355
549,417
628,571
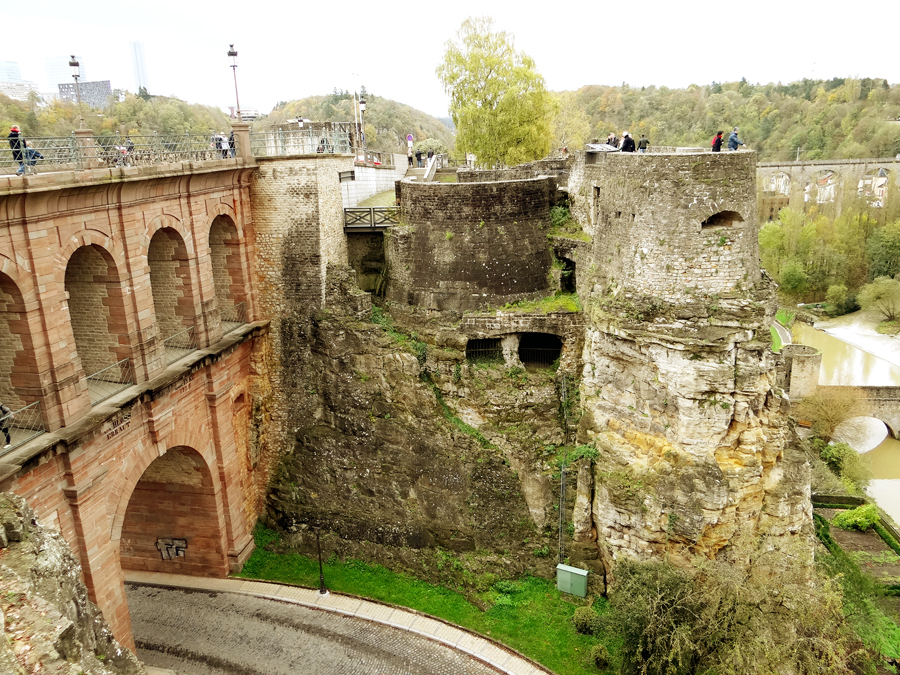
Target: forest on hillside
x,y
841,118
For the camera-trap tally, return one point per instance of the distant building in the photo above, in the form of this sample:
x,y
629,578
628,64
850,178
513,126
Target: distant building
x,y
58,71
9,72
94,94
139,67
18,90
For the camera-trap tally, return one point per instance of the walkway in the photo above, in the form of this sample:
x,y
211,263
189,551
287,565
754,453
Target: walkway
x,y
233,625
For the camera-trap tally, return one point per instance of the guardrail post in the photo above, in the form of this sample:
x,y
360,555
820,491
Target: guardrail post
x,y
86,149
242,137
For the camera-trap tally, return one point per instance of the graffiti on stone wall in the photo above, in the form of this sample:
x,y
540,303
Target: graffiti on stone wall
x,y
169,549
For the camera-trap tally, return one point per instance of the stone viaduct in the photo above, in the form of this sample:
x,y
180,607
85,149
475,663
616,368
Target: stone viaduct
x,y
137,351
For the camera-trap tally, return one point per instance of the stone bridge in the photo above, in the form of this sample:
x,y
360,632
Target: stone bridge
x,y
884,404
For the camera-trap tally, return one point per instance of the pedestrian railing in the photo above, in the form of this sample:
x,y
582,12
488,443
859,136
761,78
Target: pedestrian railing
x,y
233,317
109,381
371,217
21,426
67,153
299,142
374,158
179,345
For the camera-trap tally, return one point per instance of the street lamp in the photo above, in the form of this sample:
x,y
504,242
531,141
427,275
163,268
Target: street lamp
x,y
362,119
76,73
232,54
322,589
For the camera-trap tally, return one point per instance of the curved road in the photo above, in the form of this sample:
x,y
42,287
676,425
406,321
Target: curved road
x,y
219,633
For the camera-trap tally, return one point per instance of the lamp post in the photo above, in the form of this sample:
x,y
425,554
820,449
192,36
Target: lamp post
x,y
322,589
362,120
232,54
76,73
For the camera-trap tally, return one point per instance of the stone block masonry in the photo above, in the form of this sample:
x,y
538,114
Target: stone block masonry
x,y
468,246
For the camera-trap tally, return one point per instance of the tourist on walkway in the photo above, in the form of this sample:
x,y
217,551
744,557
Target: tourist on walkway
x,y
733,140
627,142
231,143
717,141
419,158
17,145
643,143
223,145
409,156
7,415
612,140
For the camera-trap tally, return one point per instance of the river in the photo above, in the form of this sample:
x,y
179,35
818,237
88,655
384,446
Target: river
x,y
844,364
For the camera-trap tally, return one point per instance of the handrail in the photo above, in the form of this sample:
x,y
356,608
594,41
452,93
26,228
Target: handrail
x,y
370,217
236,315
109,381
179,344
280,143
20,426
373,158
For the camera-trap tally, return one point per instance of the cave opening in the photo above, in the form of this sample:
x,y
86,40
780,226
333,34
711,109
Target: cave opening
x,y
539,349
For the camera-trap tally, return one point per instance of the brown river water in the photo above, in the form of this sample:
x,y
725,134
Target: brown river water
x,y
844,364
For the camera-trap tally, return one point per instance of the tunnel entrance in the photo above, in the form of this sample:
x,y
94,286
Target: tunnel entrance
x,y
484,351
539,349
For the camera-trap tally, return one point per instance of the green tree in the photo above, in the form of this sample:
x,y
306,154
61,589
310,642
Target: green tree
x,y
882,295
571,125
498,101
883,248
793,278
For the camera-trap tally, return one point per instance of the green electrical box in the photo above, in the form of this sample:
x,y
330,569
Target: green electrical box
x,y
571,580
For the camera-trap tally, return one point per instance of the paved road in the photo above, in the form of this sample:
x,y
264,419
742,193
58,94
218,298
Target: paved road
x,y
220,633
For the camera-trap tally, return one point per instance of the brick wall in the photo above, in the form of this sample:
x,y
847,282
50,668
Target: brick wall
x,y
170,281
226,262
19,379
647,215
466,246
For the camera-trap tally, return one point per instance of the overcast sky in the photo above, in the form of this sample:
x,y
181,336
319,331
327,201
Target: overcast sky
x,y
291,50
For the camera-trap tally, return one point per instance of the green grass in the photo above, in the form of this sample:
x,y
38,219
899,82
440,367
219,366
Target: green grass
x,y
536,620
776,339
563,302
785,317
388,198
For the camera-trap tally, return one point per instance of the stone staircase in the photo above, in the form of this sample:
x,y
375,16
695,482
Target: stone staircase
x,y
414,171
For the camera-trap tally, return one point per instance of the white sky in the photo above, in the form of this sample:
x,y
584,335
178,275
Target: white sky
x,y
291,50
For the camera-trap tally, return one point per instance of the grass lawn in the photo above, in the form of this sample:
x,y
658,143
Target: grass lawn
x,y
387,198
530,616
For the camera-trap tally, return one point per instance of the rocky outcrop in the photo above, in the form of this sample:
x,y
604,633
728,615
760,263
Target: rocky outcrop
x,y
50,624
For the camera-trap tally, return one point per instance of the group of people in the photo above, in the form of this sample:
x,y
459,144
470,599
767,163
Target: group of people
x,y
409,156
23,154
628,144
225,144
733,140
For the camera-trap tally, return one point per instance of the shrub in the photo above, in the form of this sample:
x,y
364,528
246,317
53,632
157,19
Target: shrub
x,y
587,621
845,462
882,295
507,587
861,518
559,216
600,656
830,406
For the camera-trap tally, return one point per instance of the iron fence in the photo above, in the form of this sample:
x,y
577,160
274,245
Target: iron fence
x,y
486,351
373,157
279,143
538,356
67,153
179,345
233,317
109,381
20,426
371,216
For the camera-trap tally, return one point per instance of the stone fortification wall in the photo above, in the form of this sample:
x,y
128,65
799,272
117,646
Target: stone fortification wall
x,y
467,246
669,225
543,167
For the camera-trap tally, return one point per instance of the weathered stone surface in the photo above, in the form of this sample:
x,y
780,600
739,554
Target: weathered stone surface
x,y
50,625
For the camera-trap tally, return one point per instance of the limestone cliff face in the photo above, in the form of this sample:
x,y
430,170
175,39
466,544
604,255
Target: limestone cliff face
x,y
50,625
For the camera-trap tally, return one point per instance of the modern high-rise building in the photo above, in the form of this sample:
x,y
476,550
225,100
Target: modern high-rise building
x,y
58,71
9,72
94,94
140,68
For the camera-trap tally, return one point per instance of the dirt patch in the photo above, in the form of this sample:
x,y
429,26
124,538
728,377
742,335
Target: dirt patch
x,y
867,548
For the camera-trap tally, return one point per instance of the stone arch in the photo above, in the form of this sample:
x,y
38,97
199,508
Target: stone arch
x,y
539,349
722,219
170,282
96,306
171,521
19,380
229,278
167,221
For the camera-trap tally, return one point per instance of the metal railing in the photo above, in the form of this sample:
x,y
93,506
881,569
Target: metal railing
x,y
279,143
109,381
67,153
539,356
233,317
179,345
484,351
20,426
374,158
363,217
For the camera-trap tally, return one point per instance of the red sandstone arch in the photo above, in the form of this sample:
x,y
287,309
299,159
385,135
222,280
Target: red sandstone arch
x,y
20,382
174,500
226,259
96,308
163,221
170,282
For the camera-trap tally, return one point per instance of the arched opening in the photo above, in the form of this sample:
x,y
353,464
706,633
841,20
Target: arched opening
x,y
228,278
484,350
873,187
20,386
722,219
539,349
171,523
97,313
173,302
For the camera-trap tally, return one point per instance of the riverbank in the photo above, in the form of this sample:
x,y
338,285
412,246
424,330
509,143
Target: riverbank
x,y
858,329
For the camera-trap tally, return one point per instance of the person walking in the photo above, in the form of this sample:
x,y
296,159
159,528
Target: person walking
x,y
409,156
231,144
717,142
612,140
627,142
5,421
419,159
733,140
17,145
643,143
